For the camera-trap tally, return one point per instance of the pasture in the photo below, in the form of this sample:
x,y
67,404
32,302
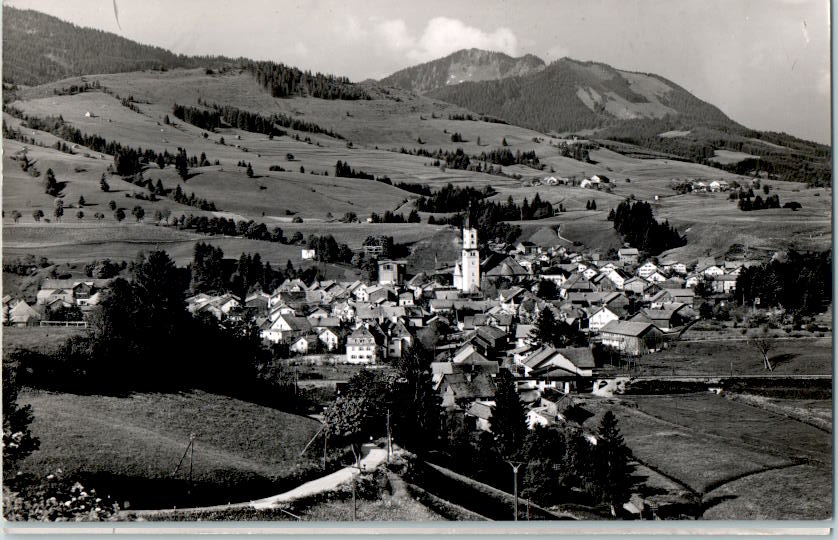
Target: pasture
x,y
726,452
129,446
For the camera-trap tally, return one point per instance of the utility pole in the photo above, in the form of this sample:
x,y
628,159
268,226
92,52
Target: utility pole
x,y
389,438
515,466
354,501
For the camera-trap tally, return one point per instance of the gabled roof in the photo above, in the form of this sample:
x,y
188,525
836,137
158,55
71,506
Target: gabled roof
x,y
627,328
480,386
480,409
361,333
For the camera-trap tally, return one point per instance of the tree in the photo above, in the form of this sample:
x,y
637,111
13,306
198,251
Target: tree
x,y
182,164
587,205
508,421
16,216
37,214
112,205
593,204
138,213
416,405
348,420
59,209
613,473
103,184
503,142
82,202
547,289
763,345
51,184
18,441
99,215
119,214
249,171
80,215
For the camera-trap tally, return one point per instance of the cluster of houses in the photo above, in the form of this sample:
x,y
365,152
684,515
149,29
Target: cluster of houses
x,y
703,186
483,312
53,295
596,181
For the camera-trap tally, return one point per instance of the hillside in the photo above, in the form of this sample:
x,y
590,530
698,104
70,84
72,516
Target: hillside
x,y
647,110
570,96
465,65
39,48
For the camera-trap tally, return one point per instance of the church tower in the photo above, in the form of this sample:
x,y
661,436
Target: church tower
x,y
470,260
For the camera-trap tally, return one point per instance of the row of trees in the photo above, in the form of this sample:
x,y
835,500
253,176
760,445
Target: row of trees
x,y
344,170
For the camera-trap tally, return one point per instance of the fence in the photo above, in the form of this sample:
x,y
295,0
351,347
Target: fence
x,y
77,324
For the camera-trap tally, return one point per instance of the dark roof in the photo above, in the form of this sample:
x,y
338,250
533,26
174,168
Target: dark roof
x,y
627,328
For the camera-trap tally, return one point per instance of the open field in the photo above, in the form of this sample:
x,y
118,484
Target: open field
x,y
128,446
724,451
43,339
794,356
726,157
805,492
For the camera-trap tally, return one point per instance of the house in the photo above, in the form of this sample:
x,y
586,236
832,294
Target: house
x,y
571,361
600,179
674,266
399,339
632,337
600,317
663,318
22,314
656,277
726,283
391,272
684,296
361,347
618,277
628,255
480,412
304,344
635,284
284,327
406,299
526,247
462,389
308,254
647,269
586,183
329,338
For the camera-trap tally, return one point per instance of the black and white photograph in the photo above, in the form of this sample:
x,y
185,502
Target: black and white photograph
x,y
387,262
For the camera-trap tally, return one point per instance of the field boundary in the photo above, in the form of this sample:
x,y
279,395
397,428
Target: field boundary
x,y
748,399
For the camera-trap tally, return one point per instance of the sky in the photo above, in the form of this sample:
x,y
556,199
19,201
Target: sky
x,y
765,63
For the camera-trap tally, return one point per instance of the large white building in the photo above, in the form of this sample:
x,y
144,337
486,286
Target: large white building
x,y
361,347
467,271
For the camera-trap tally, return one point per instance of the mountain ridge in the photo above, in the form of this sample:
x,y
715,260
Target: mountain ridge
x,y
461,66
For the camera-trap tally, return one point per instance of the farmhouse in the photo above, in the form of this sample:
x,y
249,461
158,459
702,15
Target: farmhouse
x,y
632,337
628,255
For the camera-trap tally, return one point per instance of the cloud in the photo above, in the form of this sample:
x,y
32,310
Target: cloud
x,y
443,35
440,37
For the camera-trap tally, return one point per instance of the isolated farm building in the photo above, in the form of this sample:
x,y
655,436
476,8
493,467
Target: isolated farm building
x,y
308,254
586,183
628,255
361,347
632,337
600,179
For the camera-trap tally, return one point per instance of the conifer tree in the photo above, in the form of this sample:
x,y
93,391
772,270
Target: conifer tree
x,y
508,421
613,473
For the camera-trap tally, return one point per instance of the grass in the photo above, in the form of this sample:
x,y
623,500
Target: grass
x,y
703,440
42,339
803,356
129,446
801,492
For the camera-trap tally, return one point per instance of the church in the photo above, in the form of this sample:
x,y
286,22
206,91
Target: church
x,y
467,271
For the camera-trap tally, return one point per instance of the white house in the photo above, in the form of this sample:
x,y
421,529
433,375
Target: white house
x,y
647,269
600,318
361,347
308,254
329,338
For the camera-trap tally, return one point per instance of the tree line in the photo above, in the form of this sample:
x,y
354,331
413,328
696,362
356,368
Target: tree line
x,y
636,223
801,283
286,81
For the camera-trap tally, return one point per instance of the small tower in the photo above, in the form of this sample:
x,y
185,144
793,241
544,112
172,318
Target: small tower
x,y
470,260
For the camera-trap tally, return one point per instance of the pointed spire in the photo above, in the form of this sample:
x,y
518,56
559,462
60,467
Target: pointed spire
x,y
468,216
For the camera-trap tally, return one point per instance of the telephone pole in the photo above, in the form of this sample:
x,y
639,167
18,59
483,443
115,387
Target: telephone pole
x,y
515,466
